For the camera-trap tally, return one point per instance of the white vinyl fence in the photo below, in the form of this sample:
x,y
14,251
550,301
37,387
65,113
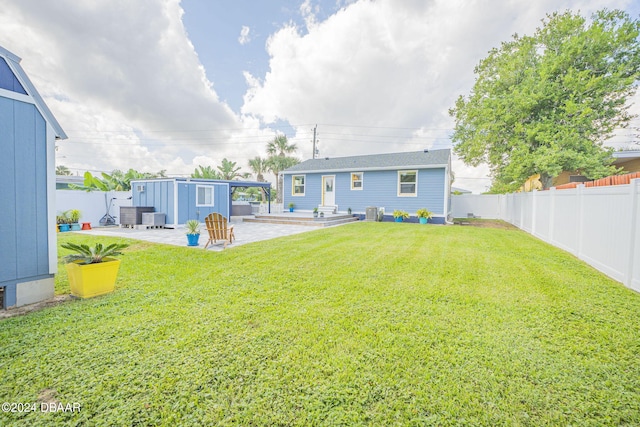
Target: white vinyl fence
x,y
600,225
93,205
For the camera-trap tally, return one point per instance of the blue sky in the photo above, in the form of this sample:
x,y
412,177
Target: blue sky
x,y
171,84
215,27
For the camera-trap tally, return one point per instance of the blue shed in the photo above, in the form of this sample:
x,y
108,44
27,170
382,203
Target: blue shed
x,y
182,199
405,181
28,132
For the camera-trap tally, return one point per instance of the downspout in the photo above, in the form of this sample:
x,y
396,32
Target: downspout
x,y
175,203
50,143
447,192
230,202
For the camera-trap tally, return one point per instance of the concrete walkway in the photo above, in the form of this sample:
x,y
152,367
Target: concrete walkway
x,y
245,232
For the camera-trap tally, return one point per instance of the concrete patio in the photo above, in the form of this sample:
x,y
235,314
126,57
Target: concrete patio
x,y
245,232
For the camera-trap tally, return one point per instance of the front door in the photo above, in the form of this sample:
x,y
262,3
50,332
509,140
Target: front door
x,y
328,191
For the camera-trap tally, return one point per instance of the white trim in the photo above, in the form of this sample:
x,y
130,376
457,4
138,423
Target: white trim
x,y
293,185
229,201
323,187
18,97
13,61
415,194
145,181
52,239
383,168
175,202
213,196
361,181
447,192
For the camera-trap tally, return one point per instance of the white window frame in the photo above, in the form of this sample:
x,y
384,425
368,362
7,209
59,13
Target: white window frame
x,y
205,187
361,181
293,185
415,193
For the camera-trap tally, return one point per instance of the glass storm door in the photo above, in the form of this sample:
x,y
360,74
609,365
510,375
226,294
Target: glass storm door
x,y
328,191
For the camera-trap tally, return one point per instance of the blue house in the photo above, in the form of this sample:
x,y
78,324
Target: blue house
x,y
182,199
405,181
28,132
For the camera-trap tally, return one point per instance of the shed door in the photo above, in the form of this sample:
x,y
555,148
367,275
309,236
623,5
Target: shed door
x,y
328,191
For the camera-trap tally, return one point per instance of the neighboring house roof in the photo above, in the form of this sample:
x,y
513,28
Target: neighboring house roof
x,y
460,190
13,61
390,161
621,157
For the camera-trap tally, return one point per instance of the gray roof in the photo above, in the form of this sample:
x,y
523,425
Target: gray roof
x,y
14,63
413,159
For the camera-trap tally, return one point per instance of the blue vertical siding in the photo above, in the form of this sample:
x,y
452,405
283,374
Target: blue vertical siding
x,y
8,80
160,195
8,232
380,189
187,201
23,185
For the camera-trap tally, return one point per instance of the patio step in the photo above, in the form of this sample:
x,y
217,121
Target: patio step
x,y
308,221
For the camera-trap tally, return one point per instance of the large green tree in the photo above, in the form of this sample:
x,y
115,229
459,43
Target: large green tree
x,y
546,103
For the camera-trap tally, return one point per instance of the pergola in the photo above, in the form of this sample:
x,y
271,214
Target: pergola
x,y
234,185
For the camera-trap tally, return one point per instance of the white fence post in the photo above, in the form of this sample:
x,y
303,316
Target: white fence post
x,y
580,217
590,223
534,211
633,229
552,212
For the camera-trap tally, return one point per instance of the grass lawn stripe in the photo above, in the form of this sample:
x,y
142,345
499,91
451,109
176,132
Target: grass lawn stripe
x,y
363,324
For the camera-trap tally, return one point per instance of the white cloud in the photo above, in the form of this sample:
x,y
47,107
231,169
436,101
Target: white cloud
x,y
384,67
126,83
244,35
123,80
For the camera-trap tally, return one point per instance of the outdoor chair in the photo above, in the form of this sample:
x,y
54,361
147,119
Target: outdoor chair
x,y
218,229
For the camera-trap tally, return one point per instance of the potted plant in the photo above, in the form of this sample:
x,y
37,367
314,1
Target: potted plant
x,y
400,215
315,212
193,232
424,215
92,270
291,206
63,222
74,219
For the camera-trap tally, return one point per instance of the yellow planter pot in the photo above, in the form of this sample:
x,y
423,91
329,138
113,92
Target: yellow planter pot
x,y
90,280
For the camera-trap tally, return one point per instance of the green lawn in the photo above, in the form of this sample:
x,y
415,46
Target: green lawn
x,y
364,324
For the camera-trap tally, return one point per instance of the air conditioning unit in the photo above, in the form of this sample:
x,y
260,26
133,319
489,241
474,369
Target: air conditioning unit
x,y
371,214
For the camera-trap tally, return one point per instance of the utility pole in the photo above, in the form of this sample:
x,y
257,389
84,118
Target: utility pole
x,y
314,142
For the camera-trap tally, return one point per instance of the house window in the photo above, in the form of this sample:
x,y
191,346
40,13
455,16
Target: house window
x,y
356,180
204,195
407,183
297,182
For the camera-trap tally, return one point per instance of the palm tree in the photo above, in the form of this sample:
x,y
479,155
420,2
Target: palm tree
x,y
259,167
229,171
62,170
279,161
205,172
277,164
280,147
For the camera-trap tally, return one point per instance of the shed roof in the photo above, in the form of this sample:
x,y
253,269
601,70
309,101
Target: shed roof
x,y
14,63
232,184
412,159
